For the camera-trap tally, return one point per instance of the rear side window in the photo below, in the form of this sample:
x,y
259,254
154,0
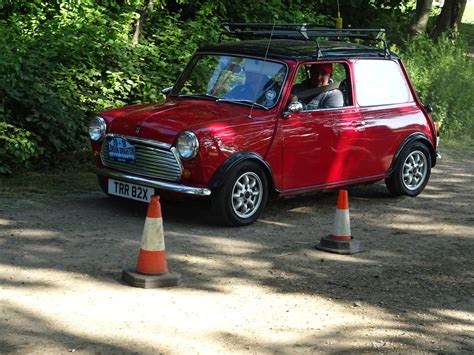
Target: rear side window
x,y
380,82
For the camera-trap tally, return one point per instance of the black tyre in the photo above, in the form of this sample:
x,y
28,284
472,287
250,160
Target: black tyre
x,y
242,197
411,172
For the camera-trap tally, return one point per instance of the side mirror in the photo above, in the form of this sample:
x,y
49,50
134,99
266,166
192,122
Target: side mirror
x,y
166,91
295,107
428,108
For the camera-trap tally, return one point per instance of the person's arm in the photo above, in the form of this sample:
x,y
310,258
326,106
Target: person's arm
x,y
315,102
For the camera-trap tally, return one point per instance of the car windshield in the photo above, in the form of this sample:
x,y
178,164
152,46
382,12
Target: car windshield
x,y
234,79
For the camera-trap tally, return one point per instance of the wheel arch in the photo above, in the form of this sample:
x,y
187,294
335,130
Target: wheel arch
x,y
220,175
415,137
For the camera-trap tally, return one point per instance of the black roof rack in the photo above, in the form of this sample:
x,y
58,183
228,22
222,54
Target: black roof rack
x,y
303,31
298,31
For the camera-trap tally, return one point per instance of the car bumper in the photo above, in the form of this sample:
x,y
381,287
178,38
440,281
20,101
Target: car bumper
x,y
158,184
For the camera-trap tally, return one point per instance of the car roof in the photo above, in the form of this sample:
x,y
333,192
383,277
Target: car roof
x,y
298,49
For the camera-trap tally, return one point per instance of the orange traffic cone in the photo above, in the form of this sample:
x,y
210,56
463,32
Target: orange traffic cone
x,y
152,267
341,241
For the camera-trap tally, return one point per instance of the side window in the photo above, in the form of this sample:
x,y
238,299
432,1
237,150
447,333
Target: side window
x,y
380,82
341,76
339,73
306,80
301,75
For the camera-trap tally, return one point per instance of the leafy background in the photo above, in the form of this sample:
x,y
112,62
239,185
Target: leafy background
x,y
62,61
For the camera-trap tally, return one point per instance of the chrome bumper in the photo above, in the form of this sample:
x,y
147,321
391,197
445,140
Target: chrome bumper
x,y
170,186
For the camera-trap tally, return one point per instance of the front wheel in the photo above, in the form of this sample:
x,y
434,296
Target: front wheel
x,y
242,197
411,172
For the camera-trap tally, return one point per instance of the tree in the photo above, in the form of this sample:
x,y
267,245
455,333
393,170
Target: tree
x,y
141,21
450,17
422,16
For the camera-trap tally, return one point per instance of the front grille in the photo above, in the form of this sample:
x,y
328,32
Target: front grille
x,y
151,159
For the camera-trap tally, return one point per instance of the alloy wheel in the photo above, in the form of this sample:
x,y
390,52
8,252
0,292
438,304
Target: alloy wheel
x,y
247,194
414,170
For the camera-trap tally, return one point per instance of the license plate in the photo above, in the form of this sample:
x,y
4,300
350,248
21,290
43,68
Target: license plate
x,y
121,150
132,191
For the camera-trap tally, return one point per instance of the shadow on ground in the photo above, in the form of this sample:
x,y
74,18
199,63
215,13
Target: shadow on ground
x,y
415,249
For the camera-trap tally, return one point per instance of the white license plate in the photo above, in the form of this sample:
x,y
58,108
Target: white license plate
x,y
132,191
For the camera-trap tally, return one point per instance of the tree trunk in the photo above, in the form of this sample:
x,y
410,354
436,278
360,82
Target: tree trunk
x,y
141,21
450,17
422,16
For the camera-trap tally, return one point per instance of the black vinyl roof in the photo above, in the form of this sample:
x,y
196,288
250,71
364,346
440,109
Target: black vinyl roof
x,y
298,49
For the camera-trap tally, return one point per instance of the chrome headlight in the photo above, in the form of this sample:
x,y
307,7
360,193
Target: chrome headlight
x,y
187,145
97,128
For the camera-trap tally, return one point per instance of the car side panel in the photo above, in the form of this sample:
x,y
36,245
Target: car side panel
x,y
357,145
318,148
385,128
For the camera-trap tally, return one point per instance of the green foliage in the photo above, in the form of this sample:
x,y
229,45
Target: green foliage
x,y
16,147
62,61
443,75
65,61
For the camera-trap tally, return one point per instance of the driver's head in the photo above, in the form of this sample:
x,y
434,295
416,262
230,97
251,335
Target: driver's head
x,y
321,73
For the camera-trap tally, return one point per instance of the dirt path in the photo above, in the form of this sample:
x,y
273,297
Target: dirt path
x,y
259,289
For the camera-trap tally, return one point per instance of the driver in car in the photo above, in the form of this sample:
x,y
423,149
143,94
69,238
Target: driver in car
x,y
318,91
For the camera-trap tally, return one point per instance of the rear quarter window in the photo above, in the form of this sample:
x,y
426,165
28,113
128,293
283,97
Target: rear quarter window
x,y
380,82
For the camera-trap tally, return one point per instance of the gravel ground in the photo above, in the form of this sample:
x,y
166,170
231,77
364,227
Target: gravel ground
x,y
258,289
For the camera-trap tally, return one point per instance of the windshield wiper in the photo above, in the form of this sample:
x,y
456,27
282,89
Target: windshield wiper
x,y
242,101
203,95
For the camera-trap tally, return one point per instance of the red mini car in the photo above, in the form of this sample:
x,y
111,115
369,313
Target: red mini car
x,y
299,110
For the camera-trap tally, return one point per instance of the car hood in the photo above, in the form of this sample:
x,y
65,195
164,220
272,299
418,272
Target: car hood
x,y
163,121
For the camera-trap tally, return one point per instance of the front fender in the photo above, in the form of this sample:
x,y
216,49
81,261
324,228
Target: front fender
x,y
234,160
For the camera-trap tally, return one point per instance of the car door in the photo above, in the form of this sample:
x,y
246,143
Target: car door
x,y
322,147
307,140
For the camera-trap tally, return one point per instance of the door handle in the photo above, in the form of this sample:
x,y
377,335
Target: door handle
x,y
357,123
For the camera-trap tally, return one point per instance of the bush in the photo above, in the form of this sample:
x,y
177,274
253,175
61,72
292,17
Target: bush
x,y
443,75
55,74
16,148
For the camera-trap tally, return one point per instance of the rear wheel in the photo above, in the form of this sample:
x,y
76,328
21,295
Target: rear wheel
x,y
411,172
242,197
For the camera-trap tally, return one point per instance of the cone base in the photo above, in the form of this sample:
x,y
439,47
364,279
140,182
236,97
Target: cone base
x,y
330,245
135,279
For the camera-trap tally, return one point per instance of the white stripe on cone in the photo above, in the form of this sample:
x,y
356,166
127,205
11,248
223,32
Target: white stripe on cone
x,y
342,224
152,239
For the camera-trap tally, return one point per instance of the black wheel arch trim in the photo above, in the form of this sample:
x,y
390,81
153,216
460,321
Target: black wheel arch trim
x,y
234,160
410,139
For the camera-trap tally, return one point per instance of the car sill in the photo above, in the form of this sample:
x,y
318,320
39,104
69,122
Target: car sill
x,y
169,186
332,185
